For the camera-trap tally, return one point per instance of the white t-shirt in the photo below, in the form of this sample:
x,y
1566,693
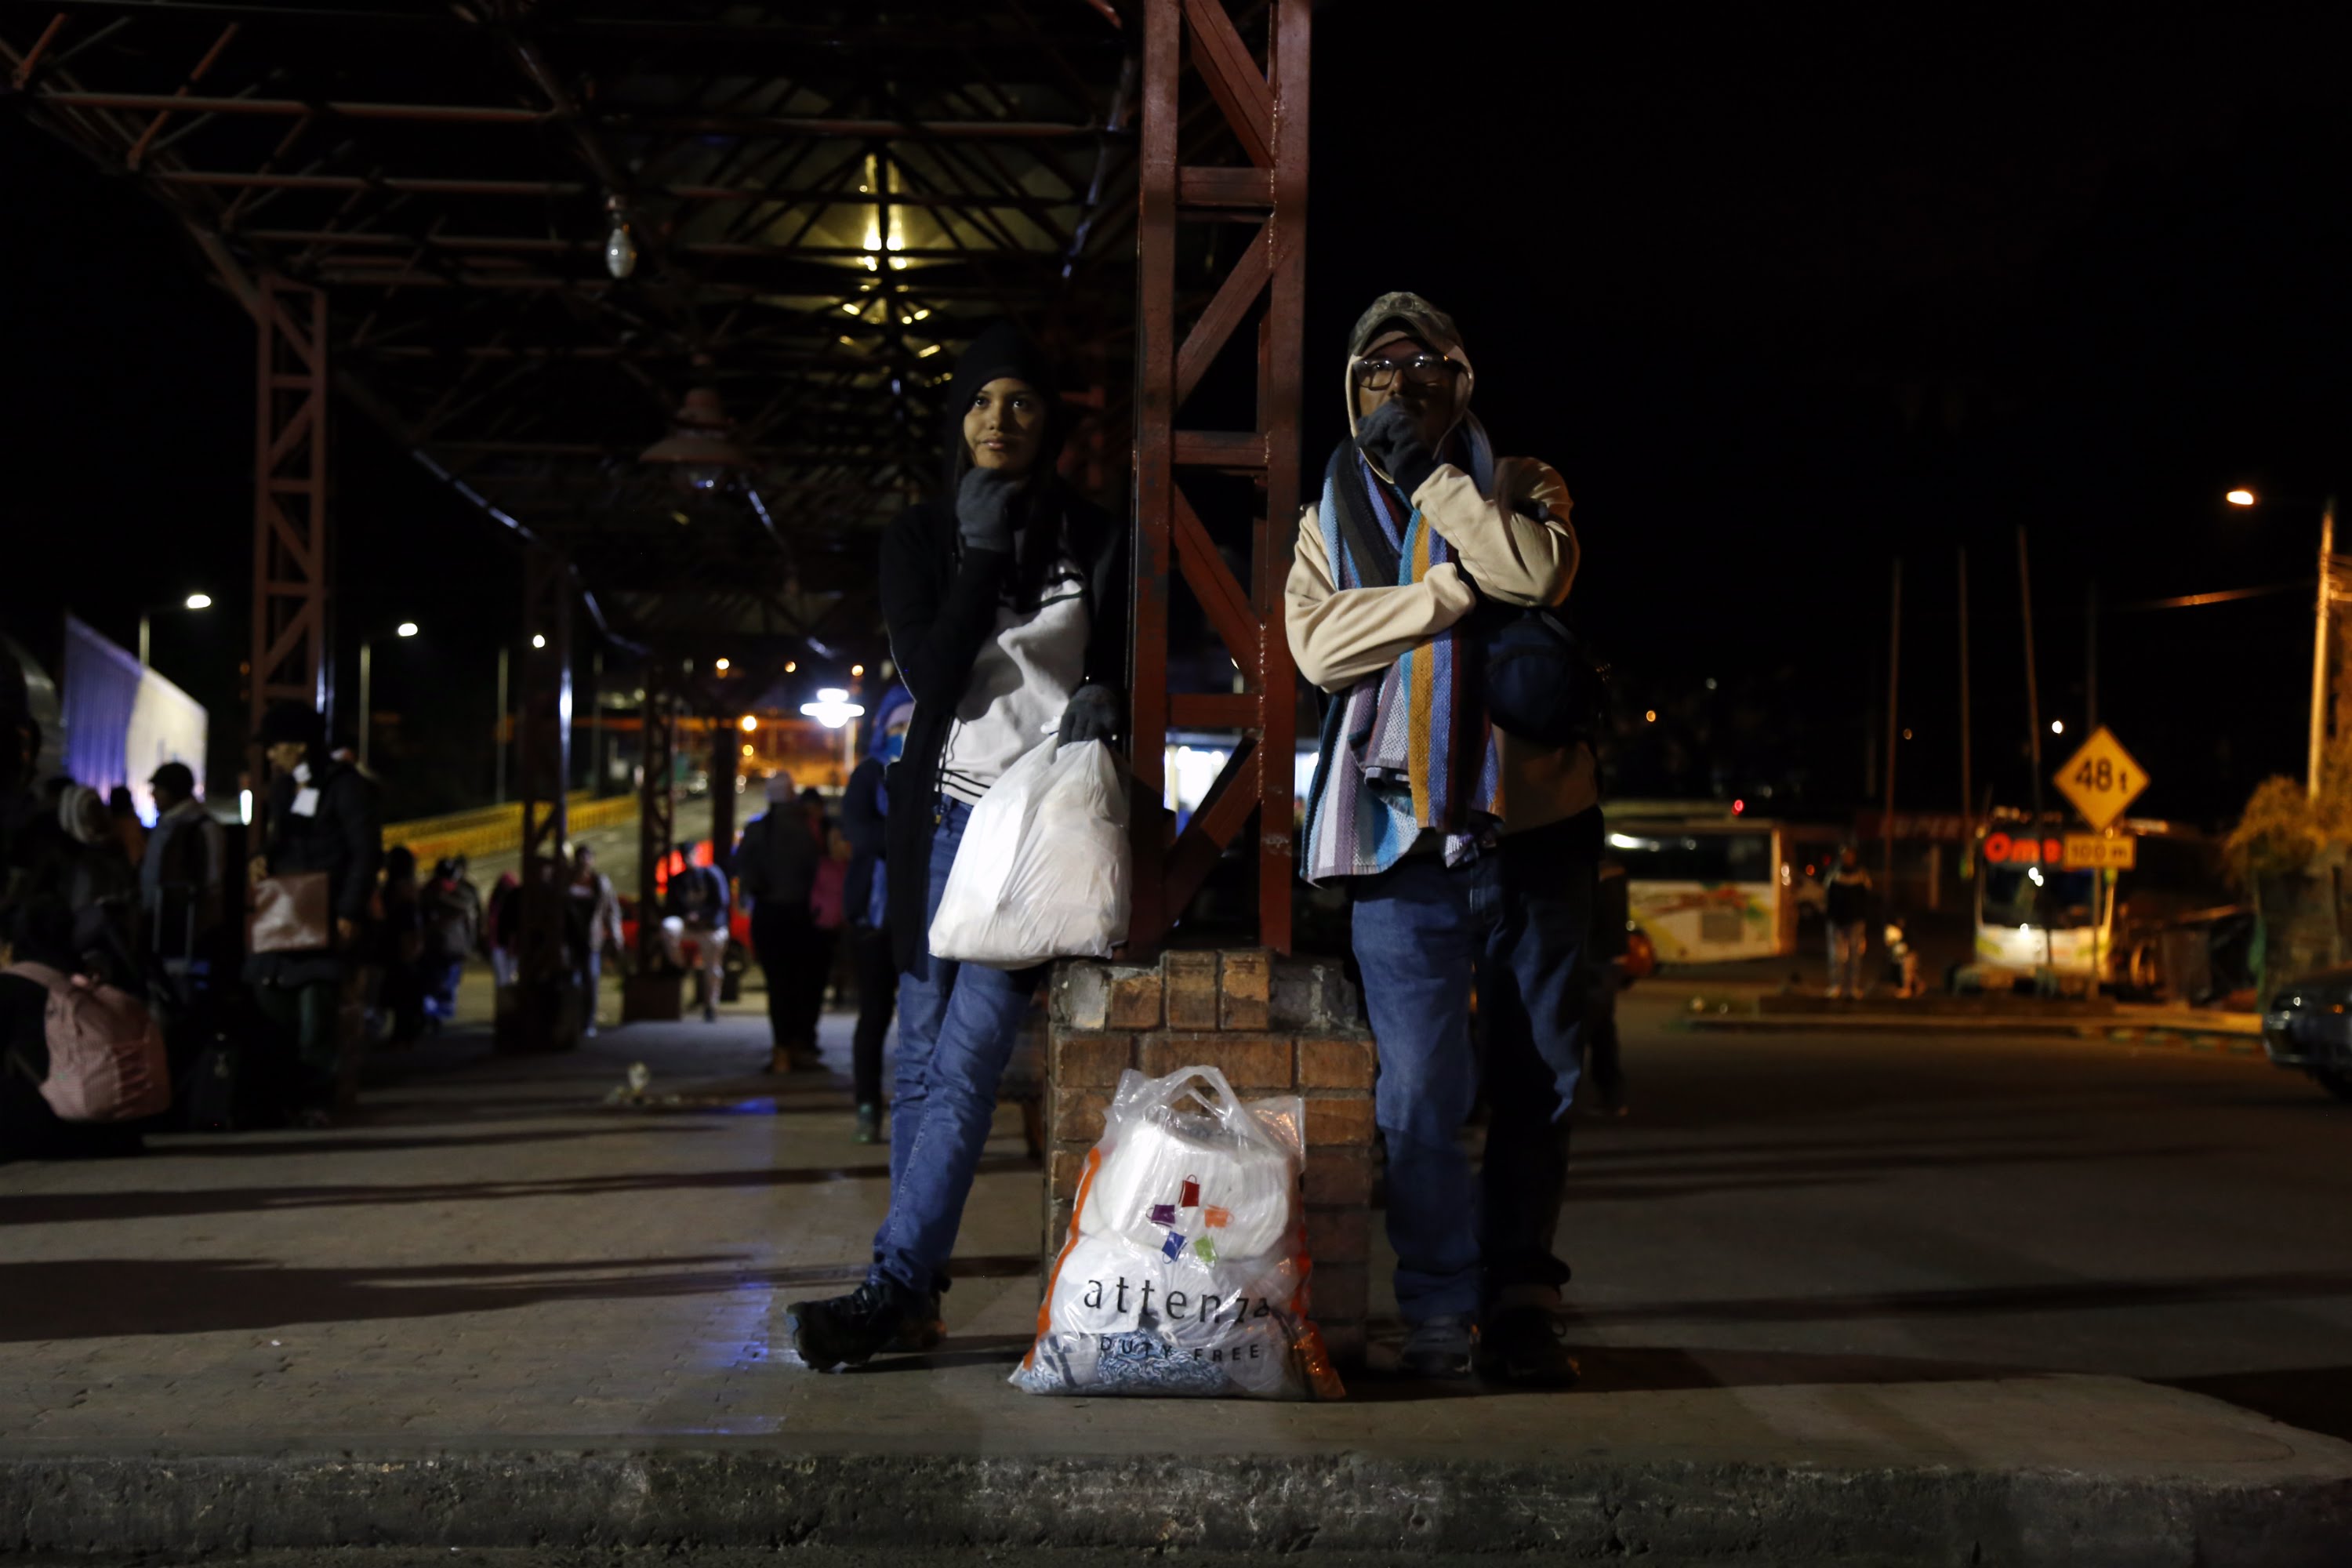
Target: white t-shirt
x,y
1021,681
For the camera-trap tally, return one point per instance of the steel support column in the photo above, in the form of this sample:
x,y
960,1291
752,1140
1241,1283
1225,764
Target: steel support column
x,y
726,762
1261,91
289,505
543,764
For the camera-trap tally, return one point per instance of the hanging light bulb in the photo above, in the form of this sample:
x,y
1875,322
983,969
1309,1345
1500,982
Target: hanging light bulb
x,y
700,449
833,708
620,245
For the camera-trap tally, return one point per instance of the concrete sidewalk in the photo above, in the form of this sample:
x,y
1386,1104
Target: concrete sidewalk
x,y
496,1312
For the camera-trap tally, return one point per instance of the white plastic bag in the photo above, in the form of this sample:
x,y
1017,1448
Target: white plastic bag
x,y
1042,871
1152,1293
1163,1178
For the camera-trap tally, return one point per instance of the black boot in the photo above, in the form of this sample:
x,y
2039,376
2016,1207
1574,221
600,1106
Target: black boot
x,y
846,1331
921,1329
1525,1340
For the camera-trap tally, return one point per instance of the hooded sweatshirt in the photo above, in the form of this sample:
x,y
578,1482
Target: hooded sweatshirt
x,y
1342,636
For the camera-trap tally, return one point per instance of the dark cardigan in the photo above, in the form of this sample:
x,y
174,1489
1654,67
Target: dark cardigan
x,y
939,602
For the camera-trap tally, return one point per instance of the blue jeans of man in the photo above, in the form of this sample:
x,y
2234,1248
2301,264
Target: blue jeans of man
x,y
957,1025
1514,920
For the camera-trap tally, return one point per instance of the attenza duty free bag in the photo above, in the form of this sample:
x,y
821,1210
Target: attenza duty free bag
x,y
1153,1293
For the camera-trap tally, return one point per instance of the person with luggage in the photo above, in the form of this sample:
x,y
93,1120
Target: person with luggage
x,y
1470,854
775,865
696,905
183,886
322,821
866,898
1006,602
37,958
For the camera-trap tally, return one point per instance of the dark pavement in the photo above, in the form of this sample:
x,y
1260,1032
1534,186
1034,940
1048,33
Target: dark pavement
x,y
1873,1207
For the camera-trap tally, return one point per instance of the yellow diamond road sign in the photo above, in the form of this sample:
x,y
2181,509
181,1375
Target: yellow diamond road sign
x,y
2102,778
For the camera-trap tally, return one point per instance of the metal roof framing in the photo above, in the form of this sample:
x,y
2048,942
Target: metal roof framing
x,y
828,199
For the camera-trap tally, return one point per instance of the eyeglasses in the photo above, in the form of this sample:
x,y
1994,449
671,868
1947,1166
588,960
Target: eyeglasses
x,y
1425,370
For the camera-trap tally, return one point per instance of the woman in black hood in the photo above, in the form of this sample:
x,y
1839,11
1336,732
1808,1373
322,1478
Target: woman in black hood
x,y
1006,603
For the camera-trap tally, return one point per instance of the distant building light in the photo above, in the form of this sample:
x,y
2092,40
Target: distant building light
x,y
200,601
2239,498
1650,717
720,666
406,629
2057,726
750,722
856,669
537,640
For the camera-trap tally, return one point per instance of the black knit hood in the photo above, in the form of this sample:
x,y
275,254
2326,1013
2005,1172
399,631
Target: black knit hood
x,y
1001,349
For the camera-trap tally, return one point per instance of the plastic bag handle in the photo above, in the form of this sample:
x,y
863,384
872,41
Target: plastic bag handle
x,y
1231,1106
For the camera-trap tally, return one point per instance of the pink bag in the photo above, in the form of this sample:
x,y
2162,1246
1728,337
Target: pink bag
x,y
826,896
106,1054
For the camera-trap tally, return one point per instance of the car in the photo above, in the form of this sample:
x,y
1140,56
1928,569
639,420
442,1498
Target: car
x,y
2308,1027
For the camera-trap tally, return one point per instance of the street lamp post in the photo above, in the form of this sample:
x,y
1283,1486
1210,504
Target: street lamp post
x,y
2317,744
193,602
367,685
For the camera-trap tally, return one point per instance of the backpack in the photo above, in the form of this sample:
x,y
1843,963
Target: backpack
x,y
448,920
107,1061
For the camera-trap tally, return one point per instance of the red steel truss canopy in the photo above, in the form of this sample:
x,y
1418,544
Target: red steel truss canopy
x,y
415,199
825,198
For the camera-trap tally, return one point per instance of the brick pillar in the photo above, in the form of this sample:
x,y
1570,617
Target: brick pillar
x,y
1272,1026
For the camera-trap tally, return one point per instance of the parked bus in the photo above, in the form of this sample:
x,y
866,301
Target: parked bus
x,y
1705,883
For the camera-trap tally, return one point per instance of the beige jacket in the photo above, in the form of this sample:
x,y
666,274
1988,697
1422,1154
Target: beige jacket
x,y
1339,636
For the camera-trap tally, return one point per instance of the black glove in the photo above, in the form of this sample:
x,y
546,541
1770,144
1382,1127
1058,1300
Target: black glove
x,y
1092,715
984,508
1390,437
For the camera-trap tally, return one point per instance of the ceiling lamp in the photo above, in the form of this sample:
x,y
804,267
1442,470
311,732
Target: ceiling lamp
x,y
700,447
833,708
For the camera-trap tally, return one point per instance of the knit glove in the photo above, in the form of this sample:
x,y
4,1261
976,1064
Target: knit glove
x,y
1390,437
984,508
1092,715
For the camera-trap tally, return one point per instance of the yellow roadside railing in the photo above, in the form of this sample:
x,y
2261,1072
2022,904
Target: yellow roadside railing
x,y
498,830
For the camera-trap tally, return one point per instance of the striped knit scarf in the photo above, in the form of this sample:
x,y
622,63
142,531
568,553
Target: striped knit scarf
x,y
1409,748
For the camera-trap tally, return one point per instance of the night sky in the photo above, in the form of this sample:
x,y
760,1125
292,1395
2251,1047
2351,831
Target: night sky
x,y
1783,296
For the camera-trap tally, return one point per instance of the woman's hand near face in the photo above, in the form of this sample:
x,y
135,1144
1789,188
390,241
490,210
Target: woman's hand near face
x,y
984,508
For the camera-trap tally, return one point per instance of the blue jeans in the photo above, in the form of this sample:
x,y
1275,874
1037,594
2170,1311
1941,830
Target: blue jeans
x,y
957,1025
1514,920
